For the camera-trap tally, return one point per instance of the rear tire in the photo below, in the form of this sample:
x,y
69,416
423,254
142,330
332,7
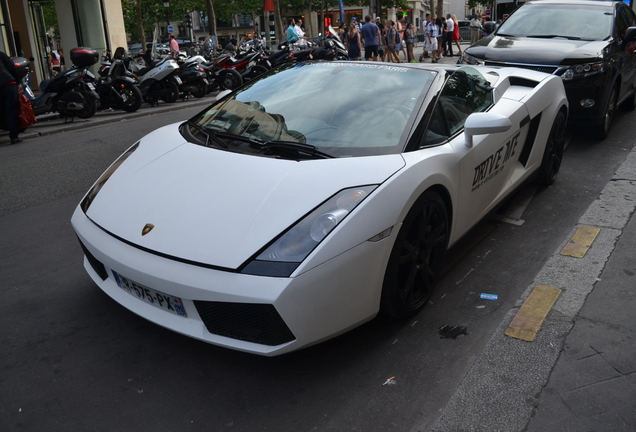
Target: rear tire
x,y
553,154
90,106
202,90
417,258
172,92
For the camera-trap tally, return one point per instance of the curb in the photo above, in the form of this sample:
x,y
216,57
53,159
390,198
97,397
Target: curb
x,y
51,123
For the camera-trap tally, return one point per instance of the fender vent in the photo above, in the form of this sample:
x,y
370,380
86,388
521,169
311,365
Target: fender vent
x,y
530,139
250,322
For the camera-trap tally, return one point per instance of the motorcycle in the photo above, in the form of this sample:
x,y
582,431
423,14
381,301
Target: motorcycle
x,y
71,92
245,63
194,80
158,81
218,78
116,87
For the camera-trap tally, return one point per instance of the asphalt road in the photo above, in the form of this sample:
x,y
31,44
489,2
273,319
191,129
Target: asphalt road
x,y
73,359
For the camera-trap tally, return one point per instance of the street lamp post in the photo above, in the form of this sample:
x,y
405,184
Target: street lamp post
x,y
166,5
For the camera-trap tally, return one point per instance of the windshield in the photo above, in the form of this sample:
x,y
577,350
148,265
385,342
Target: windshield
x,y
341,109
541,20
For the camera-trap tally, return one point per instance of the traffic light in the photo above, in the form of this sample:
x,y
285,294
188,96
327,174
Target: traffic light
x,y
187,19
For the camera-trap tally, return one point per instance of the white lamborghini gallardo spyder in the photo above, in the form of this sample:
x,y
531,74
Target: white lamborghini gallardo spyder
x,y
309,200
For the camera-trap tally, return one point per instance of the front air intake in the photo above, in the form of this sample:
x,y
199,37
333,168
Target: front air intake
x,y
250,322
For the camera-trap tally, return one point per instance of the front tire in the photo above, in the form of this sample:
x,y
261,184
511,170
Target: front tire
x,y
417,257
131,98
601,130
230,80
553,154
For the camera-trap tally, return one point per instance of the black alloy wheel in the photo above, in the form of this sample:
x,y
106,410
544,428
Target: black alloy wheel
x,y
553,154
601,131
417,258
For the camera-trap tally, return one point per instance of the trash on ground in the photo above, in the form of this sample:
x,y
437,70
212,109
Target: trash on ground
x,y
489,296
390,381
451,332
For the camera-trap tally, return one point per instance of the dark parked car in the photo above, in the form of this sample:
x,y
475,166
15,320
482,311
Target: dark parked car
x,y
588,43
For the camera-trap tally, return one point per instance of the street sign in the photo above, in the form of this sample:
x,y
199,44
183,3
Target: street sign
x,y
170,29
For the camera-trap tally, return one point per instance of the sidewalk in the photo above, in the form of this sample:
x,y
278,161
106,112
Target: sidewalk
x,y
579,373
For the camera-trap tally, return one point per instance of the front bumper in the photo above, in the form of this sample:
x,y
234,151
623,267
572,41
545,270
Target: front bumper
x,y
290,313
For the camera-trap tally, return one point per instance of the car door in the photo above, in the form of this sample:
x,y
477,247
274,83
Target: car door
x,y
625,18
486,166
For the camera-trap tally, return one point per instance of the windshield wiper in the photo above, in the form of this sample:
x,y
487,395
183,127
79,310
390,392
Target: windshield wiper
x,y
554,36
307,149
209,135
296,146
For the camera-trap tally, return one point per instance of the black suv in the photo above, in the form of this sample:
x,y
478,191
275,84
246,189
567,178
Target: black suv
x,y
588,43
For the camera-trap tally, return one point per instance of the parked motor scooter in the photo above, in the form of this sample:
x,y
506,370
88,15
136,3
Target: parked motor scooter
x,y
116,86
71,92
157,82
194,80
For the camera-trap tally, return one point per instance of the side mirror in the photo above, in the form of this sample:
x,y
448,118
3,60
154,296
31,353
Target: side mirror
x,y
222,94
630,36
484,123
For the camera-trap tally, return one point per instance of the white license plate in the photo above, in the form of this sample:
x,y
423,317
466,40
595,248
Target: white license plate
x,y
178,80
156,298
90,86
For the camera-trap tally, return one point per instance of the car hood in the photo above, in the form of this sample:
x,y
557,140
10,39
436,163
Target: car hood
x,y
556,51
215,207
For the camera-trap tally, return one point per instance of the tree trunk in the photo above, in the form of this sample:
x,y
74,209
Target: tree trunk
x,y
211,19
278,20
309,22
439,10
140,24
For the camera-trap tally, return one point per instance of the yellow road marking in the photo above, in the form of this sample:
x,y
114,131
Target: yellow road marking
x,y
580,242
528,320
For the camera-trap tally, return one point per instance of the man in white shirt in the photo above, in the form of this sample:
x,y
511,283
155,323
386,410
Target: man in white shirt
x,y
302,40
448,36
475,27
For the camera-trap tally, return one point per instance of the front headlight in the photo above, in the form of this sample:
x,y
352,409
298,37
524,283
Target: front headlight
x,y
281,257
90,196
583,70
471,60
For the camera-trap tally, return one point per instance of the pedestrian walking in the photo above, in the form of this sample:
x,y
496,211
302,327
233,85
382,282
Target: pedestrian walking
x,y
432,31
354,42
427,46
174,47
456,36
448,35
372,39
409,39
475,28
9,94
392,42
381,39
441,26
60,54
